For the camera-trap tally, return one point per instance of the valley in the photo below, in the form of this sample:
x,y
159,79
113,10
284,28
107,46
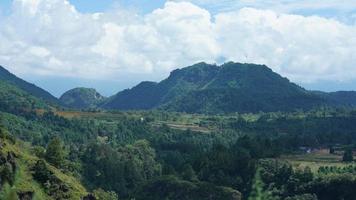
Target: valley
x,y
79,147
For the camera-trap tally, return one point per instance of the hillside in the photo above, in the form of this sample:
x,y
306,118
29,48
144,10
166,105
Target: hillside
x,y
25,176
30,88
15,100
346,98
205,88
81,98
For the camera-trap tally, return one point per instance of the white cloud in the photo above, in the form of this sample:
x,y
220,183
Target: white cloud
x,y
285,6
302,48
50,37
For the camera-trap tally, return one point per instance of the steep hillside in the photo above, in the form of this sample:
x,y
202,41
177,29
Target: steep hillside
x,y
15,100
204,88
30,88
25,176
81,98
147,95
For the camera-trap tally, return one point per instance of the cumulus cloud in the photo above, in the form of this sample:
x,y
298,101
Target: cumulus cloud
x,y
50,37
334,8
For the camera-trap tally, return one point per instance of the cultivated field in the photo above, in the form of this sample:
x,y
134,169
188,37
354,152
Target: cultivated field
x,y
315,159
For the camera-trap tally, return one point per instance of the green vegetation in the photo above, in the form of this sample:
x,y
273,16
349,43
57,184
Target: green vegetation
x,y
348,157
19,175
81,98
231,87
6,76
54,153
15,100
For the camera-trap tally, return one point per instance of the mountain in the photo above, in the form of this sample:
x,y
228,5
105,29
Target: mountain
x,y
342,98
205,88
81,98
30,88
16,100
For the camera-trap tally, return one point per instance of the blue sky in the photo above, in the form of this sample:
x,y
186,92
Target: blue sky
x,y
90,6
313,43
144,6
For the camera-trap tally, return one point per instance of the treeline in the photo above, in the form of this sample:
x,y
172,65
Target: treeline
x,y
132,158
278,180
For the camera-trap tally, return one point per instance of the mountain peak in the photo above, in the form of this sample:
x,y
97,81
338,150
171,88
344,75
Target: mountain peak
x,y
230,87
81,98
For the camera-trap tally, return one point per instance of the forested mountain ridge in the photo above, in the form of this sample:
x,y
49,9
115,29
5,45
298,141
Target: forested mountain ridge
x,y
231,87
30,88
81,98
200,88
16,100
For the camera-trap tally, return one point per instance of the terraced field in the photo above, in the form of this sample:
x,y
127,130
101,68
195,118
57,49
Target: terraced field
x,y
316,159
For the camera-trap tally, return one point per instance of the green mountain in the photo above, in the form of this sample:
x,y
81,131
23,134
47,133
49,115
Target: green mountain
x,y
81,98
341,98
16,100
205,88
27,87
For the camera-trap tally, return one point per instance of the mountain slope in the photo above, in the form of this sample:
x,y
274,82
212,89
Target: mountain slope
x,y
25,176
245,88
15,100
343,98
231,87
30,88
147,95
81,98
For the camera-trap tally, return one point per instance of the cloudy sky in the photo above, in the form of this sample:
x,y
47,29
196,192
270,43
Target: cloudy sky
x,y
114,44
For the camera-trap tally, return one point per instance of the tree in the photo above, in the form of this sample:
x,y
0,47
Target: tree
x,y
189,173
100,194
41,172
348,157
55,152
331,149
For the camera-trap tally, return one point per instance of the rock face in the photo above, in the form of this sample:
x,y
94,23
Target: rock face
x,y
7,168
25,195
81,98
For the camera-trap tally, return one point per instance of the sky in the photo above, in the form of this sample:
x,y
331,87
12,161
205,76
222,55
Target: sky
x,y
112,45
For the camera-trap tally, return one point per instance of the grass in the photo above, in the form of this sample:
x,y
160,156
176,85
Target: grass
x,y
23,179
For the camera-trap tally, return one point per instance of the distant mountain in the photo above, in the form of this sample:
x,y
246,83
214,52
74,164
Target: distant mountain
x,y
340,98
27,87
81,98
205,88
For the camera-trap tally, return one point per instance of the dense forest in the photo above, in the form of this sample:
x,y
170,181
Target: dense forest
x,y
125,155
50,151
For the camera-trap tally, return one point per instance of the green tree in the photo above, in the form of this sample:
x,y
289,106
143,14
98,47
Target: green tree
x,y
258,192
189,173
41,172
55,152
101,194
348,157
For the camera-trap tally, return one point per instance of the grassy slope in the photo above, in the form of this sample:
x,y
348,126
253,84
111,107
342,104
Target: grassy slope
x,y
24,181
